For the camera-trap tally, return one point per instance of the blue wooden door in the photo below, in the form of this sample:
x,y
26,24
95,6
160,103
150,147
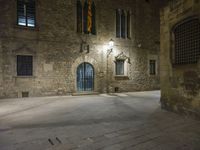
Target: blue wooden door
x,y
85,77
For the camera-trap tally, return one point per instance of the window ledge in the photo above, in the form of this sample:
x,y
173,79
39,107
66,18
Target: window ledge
x,y
121,77
153,74
24,77
27,28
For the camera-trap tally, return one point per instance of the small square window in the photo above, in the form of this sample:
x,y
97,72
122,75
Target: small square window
x,y
152,67
24,65
119,67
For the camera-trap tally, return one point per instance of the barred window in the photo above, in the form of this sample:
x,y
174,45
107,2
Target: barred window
x,y
187,42
152,67
26,13
24,65
119,67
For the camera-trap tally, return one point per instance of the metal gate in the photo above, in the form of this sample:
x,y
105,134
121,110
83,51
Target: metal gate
x,y
85,77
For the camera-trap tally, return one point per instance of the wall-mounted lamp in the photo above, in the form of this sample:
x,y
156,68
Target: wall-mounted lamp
x,y
139,45
111,44
85,47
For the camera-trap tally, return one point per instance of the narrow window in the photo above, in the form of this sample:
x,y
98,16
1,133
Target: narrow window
x,y
118,23
187,42
119,67
123,25
152,67
93,19
85,18
24,65
79,16
26,13
128,24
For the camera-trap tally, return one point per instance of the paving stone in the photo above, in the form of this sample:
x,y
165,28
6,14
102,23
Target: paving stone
x,y
70,119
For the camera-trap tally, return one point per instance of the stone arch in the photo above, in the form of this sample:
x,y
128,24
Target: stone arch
x,y
85,77
81,60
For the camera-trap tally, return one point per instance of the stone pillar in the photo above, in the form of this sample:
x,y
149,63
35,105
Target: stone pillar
x,y
104,75
1,70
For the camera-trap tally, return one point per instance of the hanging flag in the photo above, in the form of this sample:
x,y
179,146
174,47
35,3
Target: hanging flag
x,y
89,23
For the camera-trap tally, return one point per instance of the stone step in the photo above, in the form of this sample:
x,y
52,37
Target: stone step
x,y
85,93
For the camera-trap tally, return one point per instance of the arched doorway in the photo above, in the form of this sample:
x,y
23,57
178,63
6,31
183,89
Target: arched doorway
x,y
85,77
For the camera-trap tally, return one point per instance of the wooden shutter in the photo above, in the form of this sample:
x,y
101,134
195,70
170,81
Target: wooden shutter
x,y
21,13
30,13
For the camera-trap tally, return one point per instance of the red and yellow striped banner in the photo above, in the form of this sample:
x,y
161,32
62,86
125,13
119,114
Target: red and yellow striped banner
x,y
89,22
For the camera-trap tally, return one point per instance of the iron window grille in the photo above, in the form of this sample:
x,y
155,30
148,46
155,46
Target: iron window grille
x,y
119,67
152,67
24,65
187,42
26,13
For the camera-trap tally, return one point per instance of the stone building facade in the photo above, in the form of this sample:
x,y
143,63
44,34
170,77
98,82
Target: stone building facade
x,y
180,56
56,50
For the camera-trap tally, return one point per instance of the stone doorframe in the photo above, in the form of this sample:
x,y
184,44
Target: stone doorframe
x,y
91,61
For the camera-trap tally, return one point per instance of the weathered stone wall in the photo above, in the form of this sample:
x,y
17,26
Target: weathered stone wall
x,y
55,46
180,84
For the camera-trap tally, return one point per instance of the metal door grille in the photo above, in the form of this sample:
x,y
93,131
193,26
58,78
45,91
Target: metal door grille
x,y
187,42
85,77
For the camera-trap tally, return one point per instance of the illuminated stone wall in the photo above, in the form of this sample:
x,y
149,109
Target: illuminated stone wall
x,y
55,46
180,84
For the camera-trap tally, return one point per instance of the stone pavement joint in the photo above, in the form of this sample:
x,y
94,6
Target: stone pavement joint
x,y
131,122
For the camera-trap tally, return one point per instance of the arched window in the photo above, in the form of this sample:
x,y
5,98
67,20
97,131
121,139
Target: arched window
x,y
123,23
187,42
86,17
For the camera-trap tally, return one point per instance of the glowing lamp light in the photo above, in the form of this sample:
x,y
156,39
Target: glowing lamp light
x,y
111,43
